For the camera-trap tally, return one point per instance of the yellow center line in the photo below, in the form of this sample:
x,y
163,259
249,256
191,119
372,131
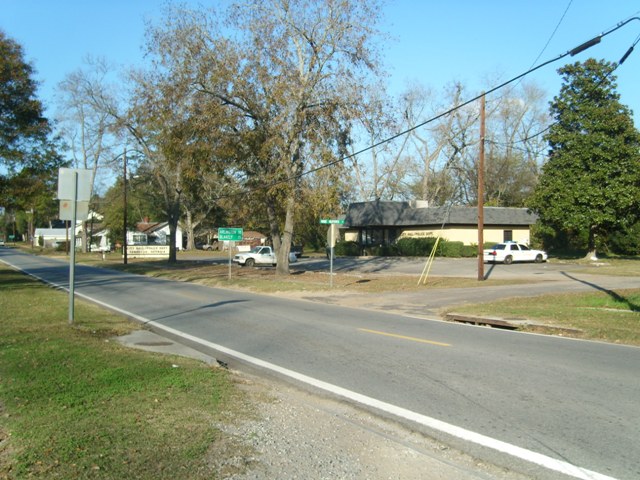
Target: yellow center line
x,y
413,339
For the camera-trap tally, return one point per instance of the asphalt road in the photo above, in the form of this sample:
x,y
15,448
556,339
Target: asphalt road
x,y
539,405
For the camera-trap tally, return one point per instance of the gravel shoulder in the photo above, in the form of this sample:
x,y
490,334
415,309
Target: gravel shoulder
x,y
290,433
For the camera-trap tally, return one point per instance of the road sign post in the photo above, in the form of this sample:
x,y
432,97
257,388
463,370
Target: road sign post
x,y
74,190
230,235
333,233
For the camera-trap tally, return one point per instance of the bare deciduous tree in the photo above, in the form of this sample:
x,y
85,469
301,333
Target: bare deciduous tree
x,y
292,72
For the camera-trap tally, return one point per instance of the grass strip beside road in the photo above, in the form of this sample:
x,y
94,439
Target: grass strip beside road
x,y
612,316
74,403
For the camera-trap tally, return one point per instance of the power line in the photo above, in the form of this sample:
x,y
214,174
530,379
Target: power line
x,y
616,65
575,51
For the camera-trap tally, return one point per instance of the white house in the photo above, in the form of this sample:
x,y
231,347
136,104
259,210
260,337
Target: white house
x,y
51,237
153,233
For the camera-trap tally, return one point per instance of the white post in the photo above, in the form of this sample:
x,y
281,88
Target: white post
x,y
72,251
333,227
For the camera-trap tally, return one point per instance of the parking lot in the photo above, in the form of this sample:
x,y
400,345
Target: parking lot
x,y
451,267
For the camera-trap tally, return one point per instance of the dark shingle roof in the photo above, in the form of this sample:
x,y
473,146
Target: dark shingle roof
x,y
398,214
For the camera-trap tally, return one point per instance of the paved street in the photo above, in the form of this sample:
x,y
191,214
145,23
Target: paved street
x,y
538,405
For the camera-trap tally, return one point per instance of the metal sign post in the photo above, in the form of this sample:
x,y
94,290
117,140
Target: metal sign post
x,y
230,235
72,251
74,190
332,236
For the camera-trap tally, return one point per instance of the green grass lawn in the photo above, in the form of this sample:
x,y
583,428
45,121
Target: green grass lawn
x,y
608,316
74,403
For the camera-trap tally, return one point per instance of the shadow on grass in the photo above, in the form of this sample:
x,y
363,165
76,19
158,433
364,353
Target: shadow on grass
x,y
13,280
619,298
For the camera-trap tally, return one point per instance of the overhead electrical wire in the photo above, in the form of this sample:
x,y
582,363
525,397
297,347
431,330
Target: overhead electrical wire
x,y
615,67
575,51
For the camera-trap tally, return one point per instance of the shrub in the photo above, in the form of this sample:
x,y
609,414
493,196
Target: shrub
x,y
469,251
415,247
347,249
383,251
450,249
62,246
626,242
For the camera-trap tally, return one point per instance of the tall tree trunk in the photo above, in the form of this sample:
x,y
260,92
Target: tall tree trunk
x,y
174,217
189,227
287,235
274,224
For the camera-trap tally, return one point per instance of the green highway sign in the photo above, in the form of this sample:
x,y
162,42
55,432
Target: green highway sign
x,y
328,221
231,234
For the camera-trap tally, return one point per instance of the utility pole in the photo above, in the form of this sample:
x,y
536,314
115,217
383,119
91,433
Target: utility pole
x,y
481,193
124,214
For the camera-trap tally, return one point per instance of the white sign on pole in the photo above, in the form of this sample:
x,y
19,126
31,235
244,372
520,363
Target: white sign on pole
x,y
66,185
66,210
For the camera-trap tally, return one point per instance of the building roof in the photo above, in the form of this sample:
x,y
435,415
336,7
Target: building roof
x,y
149,227
403,214
51,232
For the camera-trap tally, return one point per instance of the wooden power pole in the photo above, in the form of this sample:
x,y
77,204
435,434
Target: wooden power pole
x,y
481,193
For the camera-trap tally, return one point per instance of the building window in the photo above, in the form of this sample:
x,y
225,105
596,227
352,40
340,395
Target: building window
x,y
372,236
139,239
508,235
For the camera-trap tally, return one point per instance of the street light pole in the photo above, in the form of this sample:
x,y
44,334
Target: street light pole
x,y
124,189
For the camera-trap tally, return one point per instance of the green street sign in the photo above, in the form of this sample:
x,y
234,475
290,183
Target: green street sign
x,y
329,221
230,234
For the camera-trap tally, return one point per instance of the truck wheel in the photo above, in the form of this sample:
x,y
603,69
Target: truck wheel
x,y
250,262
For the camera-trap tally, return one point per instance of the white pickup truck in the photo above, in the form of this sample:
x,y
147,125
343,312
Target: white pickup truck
x,y
260,256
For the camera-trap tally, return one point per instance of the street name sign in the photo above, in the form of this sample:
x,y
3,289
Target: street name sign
x,y
331,221
230,234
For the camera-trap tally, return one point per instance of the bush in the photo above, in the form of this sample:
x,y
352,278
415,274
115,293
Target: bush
x,y
383,251
469,251
62,246
415,247
450,249
347,249
626,242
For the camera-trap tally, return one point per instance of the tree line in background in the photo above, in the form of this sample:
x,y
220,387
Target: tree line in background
x,y
257,116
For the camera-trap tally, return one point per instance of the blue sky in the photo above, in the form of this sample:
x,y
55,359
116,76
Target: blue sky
x,y
434,42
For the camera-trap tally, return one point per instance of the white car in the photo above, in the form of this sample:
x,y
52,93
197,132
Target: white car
x,y
260,256
510,252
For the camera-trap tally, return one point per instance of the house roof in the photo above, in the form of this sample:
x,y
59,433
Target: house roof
x,y
403,214
252,234
51,232
149,227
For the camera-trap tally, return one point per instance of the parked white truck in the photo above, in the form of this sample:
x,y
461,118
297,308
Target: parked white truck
x,y
260,256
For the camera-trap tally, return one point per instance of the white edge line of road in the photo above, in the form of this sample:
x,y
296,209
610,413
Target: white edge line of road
x,y
447,428
458,432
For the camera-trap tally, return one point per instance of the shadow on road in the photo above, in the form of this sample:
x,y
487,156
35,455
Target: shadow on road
x,y
203,307
632,306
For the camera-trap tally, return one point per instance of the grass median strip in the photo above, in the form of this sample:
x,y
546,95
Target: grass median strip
x,y
612,316
76,404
